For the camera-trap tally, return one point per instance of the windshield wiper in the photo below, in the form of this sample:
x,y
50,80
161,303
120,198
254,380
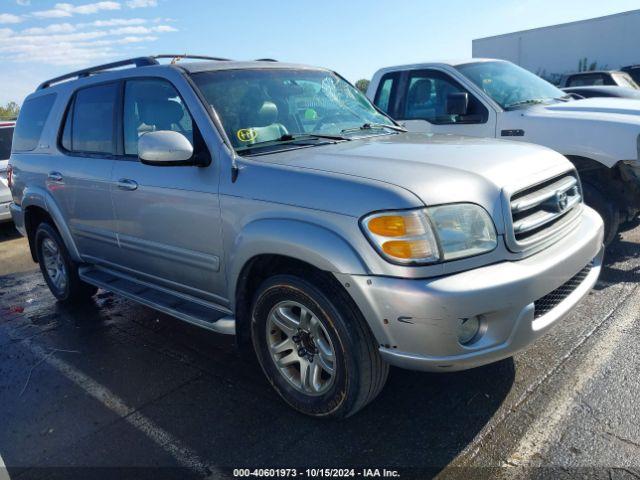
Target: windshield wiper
x,y
524,102
371,126
292,139
288,137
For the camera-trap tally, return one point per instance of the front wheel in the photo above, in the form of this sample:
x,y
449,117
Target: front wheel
x,y
314,346
608,211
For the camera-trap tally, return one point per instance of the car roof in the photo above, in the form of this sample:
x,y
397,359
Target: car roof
x,y
589,72
197,67
440,63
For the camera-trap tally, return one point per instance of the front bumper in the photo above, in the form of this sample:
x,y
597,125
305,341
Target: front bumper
x,y
415,321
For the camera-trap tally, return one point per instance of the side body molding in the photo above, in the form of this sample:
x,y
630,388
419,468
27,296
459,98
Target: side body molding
x,y
308,242
39,197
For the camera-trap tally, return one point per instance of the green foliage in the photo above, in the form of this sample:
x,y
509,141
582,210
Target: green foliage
x,y
362,85
9,111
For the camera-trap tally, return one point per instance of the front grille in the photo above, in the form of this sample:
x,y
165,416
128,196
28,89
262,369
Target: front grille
x,y
551,300
540,211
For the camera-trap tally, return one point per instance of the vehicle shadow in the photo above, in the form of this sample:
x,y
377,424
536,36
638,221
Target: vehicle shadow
x,y
614,270
8,232
231,417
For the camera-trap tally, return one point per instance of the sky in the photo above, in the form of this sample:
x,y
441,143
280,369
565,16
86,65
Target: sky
x,y
40,39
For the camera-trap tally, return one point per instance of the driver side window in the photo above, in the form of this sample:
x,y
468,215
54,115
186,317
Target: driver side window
x,y
426,98
151,105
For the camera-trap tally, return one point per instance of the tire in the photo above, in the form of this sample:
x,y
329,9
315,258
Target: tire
x,y
332,323
58,270
608,211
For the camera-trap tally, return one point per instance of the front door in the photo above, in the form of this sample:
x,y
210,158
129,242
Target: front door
x,y
168,218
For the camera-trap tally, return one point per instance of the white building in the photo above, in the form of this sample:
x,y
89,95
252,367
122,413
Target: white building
x,y
610,42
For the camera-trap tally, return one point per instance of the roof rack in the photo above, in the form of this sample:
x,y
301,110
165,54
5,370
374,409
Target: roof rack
x,y
136,62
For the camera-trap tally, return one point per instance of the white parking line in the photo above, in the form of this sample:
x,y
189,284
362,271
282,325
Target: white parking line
x,y
170,444
547,427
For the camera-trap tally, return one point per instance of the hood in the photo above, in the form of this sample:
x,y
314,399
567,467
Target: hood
x,y
596,108
437,168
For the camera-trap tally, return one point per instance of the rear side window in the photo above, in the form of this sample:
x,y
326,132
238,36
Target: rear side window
x,y
6,134
587,80
90,122
31,121
386,90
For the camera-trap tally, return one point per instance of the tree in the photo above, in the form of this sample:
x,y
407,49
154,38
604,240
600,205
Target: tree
x,y
362,85
10,110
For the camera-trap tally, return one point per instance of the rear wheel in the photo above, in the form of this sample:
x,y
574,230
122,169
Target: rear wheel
x,y
608,211
314,346
58,270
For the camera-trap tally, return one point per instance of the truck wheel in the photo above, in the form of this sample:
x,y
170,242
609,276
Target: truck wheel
x,y
59,271
314,346
608,211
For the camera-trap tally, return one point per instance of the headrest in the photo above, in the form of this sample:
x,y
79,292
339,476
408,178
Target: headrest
x,y
161,113
420,91
267,114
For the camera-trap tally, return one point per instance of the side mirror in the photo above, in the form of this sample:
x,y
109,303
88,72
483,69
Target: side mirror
x,y
165,148
457,103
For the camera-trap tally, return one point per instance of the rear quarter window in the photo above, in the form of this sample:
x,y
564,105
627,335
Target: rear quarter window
x,y
31,121
6,134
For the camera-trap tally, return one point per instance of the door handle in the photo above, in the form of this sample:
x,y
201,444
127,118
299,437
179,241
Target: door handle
x,y
55,177
126,184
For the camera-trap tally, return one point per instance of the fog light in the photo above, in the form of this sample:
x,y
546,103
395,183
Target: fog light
x,y
468,329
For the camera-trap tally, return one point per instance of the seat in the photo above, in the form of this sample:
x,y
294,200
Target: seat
x,y
419,99
260,116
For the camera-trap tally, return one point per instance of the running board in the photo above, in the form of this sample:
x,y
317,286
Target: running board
x,y
185,307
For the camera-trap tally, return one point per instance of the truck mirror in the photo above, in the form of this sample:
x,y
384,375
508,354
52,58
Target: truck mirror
x,y
457,103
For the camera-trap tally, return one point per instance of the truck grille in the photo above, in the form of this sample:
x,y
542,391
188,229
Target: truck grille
x,y
544,210
551,300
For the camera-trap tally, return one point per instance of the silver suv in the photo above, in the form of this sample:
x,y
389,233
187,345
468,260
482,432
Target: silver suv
x,y
275,202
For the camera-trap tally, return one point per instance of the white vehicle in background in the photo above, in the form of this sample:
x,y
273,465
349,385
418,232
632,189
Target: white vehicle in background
x,y
6,136
495,98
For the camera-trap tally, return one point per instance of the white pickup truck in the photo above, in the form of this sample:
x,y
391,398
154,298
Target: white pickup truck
x,y
495,98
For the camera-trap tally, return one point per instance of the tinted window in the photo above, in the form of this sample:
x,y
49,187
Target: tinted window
x,y
33,116
586,80
384,93
152,105
89,126
426,99
6,134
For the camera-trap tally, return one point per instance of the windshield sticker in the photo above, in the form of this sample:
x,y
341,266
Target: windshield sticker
x,y
247,135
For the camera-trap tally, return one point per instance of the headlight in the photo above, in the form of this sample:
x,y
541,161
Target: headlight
x,y
418,237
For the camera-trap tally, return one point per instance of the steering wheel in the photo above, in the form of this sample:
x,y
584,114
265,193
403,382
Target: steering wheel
x,y
333,118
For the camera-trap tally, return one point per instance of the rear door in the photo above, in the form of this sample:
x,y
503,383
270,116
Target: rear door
x,y
419,99
80,177
169,225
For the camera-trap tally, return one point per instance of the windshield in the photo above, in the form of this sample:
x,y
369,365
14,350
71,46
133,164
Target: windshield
x,y
509,85
625,80
265,107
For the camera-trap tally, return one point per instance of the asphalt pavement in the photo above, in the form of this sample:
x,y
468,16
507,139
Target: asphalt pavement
x,y
115,389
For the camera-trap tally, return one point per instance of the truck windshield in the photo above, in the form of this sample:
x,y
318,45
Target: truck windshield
x,y
509,85
262,108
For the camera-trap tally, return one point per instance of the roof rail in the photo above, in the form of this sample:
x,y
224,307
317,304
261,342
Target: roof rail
x,y
180,56
138,62
265,60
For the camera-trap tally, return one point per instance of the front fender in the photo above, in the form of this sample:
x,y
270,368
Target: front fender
x,y
41,198
308,242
